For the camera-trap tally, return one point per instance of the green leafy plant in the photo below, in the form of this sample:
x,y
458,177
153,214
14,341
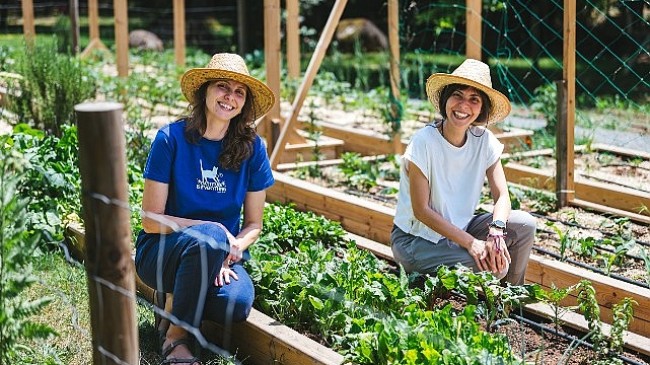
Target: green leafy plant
x,y
358,172
621,248
646,262
619,225
18,245
554,296
358,307
588,306
544,102
51,85
622,314
564,239
51,178
498,299
586,246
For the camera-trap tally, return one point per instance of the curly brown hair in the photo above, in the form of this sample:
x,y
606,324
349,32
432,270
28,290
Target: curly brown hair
x,y
238,141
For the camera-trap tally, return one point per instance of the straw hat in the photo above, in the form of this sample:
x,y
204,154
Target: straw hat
x,y
228,66
477,75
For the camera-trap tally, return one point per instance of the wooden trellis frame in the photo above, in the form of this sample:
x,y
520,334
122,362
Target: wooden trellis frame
x,y
288,134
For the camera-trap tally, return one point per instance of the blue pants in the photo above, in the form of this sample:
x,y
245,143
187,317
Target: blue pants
x,y
186,263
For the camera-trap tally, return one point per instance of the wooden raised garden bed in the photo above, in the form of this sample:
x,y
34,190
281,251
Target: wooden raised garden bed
x,y
630,200
369,142
589,193
374,221
262,340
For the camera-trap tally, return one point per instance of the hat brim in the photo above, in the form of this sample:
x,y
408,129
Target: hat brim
x,y
500,103
263,97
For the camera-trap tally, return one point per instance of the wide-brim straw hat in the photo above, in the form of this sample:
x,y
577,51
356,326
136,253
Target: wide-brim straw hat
x,y
228,66
477,75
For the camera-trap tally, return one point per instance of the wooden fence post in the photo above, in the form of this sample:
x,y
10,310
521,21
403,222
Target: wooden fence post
x,y
29,30
121,36
293,39
272,59
473,40
393,45
308,80
93,30
566,96
109,267
73,8
179,32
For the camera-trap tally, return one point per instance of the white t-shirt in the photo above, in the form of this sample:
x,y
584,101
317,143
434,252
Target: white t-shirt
x,y
456,176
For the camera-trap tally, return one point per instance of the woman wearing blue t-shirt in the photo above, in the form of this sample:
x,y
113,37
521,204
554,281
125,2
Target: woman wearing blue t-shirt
x,y
443,171
203,173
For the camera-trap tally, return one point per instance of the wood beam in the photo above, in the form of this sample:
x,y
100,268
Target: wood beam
x,y
93,30
179,32
473,38
29,30
121,37
293,39
566,105
310,74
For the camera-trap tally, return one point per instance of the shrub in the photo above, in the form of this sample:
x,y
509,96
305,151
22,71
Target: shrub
x,y
51,85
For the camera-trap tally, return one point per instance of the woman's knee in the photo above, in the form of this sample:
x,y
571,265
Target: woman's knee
x,y
524,224
206,237
232,304
241,308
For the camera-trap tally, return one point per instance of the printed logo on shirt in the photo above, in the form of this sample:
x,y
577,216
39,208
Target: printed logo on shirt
x,y
211,180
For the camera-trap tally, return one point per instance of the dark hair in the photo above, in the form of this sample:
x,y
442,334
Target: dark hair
x,y
238,141
448,90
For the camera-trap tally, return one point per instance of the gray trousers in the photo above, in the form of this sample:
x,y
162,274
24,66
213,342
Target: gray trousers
x,y
417,254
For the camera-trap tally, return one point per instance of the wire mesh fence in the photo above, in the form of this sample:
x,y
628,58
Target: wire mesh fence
x,y
523,40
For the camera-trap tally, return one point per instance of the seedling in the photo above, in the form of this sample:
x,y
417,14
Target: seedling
x,y
554,297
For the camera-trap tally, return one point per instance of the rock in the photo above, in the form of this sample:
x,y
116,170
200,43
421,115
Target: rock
x,y
144,39
370,37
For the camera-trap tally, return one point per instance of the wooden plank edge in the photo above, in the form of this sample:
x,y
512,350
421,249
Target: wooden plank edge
x,y
578,322
616,196
381,143
605,209
633,341
264,340
622,151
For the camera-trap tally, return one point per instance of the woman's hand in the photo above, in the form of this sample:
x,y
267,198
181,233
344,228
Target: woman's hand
x,y
491,255
225,273
480,254
499,257
235,253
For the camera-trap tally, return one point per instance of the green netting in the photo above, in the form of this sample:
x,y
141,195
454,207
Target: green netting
x,y
523,42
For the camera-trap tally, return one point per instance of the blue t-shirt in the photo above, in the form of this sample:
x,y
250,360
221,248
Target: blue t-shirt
x,y
199,188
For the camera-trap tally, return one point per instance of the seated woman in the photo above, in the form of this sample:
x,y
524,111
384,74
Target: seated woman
x,y
203,173
443,171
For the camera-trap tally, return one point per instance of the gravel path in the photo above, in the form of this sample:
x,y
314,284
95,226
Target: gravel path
x,y
629,140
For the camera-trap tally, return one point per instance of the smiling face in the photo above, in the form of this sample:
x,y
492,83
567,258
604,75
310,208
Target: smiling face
x,y
463,105
225,99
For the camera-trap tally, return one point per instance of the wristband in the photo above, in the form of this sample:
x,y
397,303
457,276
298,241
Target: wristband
x,y
497,242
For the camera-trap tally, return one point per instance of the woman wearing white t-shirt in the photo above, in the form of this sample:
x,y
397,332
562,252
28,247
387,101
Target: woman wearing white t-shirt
x,y
443,171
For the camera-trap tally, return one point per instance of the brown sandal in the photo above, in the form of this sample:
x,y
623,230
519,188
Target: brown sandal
x,y
168,350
